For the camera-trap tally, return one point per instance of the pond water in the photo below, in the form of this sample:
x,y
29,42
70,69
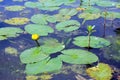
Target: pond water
x,y
63,23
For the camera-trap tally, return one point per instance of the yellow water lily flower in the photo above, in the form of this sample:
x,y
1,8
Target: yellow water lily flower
x,y
35,36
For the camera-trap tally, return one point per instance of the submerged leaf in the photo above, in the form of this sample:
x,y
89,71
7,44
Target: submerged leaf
x,y
100,72
43,66
41,30
95,42
8,32
78,56
68,26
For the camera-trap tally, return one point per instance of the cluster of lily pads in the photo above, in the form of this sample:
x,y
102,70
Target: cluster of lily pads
x,y
40,59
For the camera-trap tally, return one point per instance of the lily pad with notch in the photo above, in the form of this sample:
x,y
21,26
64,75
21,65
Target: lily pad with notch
x,y
78,56
33,55
9,32
95,42
42,30
68,26
47,65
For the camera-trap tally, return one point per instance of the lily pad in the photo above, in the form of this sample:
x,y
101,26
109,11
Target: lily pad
x,y
41,30
91,10
100,72
8,32
78,56
51,46
68,26
89,16
33,55
17,21
69,12
42,19
43,66
111,15
31,4
95,42
106,3
14,8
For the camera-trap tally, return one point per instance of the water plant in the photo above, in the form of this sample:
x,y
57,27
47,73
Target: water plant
x,y
9,32
14,8
17,21
35,37
95,42
90,30
100,72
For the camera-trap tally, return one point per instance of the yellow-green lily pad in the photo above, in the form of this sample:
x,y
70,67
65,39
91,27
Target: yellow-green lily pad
x,y
17,21
14,8
100,72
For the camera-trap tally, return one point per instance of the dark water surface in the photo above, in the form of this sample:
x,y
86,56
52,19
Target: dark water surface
x,y
12,69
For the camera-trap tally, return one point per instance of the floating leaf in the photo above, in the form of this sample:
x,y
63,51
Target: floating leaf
x,y
95,42
31,4
118,6
78,56
33,55
92,10
42,19
8,32
89,16
17,21
14,8
51,46
111,15
100,72
60,17
41,30
68,26
39,19
68,12
106,3
43,66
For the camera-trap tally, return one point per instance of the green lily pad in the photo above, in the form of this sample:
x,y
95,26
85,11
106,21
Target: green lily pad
x,y
14,8
39,19
91,10
106,3
31,4
95,42
32,55
78,56
69,12
100,72
43,19
89,16
68,26
8,32
118,5
43,66
61,18
41,30
111,15
51,46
